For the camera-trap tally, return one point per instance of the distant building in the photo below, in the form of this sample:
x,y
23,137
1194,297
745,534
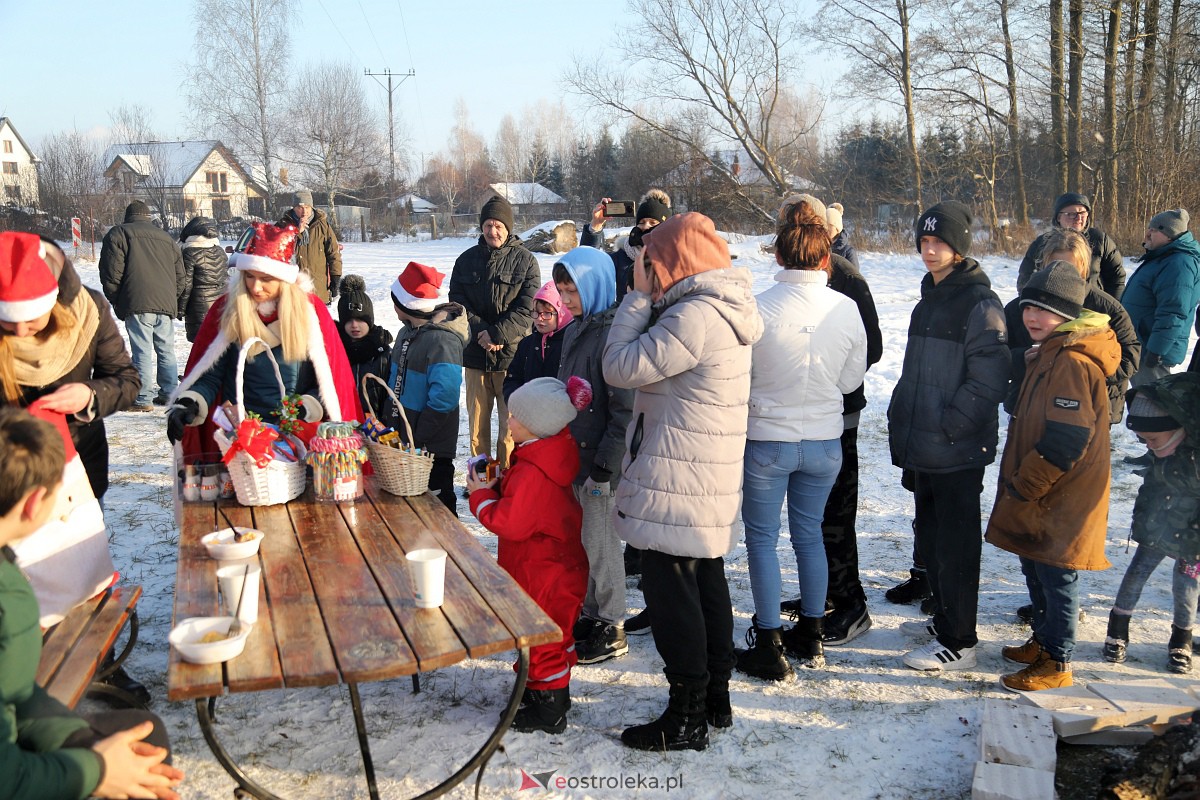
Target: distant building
x,y
418,205
529,199
18,168
185,179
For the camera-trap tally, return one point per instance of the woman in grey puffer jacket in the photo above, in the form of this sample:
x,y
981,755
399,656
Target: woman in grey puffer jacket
x,y
205,270
682,338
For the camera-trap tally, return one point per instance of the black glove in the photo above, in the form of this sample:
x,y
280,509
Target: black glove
x,y
1151,359
182,414
335,286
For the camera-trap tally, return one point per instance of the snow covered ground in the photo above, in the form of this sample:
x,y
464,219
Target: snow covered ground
x,y
864,727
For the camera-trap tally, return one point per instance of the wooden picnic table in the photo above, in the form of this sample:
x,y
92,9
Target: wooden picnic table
x,y
336,606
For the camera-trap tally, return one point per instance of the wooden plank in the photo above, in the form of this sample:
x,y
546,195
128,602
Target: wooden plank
x,y
478,626
195,596
58,641
257,668
94,642
305,656
1077,710
1153,701
526,621
427,630
367,641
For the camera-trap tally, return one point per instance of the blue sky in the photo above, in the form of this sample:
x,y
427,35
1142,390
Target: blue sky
x,y
67,63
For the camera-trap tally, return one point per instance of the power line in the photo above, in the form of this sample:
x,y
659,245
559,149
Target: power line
x,y
391,125
339,33
371,29
416,86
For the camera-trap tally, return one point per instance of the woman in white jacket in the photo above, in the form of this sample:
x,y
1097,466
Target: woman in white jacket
x,y
813,350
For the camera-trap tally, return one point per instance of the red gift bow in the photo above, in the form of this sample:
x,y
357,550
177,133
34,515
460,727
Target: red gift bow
x,y
255,440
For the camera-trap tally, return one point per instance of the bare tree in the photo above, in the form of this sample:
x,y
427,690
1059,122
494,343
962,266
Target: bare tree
x,y
468,152
334,134
508,150
724,62
239,79
69,176
881,36
132,131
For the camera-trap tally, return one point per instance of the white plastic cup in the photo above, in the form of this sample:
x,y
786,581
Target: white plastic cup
x,y
229,577
428,567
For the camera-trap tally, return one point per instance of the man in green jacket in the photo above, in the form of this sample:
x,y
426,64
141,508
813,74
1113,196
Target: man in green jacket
x,y
48,752
317,251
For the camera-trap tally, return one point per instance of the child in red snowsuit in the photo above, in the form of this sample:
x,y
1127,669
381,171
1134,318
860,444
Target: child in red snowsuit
x,y
533,511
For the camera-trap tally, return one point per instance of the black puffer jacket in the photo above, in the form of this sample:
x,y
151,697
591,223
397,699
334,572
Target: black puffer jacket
x,y
944,412
847,280
1118,319
205,272
141,270
107,370
370,355
496,287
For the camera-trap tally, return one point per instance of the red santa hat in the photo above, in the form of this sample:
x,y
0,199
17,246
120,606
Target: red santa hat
x,y
416,288
268,249
28,286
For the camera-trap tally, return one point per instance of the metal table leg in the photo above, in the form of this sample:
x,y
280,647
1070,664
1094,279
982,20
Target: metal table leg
x,y
480,759
204,712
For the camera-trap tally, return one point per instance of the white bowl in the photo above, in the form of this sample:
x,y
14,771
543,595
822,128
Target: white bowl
x,y
222,547
186,638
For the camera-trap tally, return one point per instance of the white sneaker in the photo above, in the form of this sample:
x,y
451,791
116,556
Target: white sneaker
x,y
936,656
919,629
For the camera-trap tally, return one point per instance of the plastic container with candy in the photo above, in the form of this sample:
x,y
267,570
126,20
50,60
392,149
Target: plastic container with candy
x,y
336,455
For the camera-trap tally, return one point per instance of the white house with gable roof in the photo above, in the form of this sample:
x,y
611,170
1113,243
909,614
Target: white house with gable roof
x,y
18,168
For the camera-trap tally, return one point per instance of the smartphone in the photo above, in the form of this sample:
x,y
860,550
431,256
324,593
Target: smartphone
x,y
615,208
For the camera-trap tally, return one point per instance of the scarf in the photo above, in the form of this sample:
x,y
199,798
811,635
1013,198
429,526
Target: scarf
x,y
42,361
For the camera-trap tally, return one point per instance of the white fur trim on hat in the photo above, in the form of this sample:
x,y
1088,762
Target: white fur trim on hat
x,y
26,310
268,266
402,297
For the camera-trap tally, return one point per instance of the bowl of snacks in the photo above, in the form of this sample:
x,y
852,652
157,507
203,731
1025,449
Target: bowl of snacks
x,y
230,544
206,640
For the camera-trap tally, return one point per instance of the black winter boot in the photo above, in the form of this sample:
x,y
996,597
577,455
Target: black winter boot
x,y
803,641
764,658
1179,651
543,710
681,727
914,589
717,706
1117,638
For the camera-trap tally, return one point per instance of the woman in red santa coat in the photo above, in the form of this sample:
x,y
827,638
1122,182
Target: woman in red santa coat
x,y
271,299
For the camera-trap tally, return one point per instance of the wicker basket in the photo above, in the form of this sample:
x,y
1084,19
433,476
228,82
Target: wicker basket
x,y
279,481
398,471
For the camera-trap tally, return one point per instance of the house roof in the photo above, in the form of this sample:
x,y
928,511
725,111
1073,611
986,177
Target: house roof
x,y
521,193
174,162
747,173
7,121
419,204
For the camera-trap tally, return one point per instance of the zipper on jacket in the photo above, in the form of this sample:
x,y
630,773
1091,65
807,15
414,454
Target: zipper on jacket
x,y
635,442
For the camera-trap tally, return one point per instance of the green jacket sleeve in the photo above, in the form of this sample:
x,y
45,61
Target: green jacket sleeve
x,y
31,761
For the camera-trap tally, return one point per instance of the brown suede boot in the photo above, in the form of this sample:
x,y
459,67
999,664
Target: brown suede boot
x,y
1043,673
1022,654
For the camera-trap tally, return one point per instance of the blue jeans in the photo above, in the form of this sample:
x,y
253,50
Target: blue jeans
x,y
1054,592
151,343
804,472
1185,589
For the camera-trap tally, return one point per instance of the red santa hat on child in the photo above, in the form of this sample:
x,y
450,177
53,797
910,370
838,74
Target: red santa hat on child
x,y
268,249
416,288
28,286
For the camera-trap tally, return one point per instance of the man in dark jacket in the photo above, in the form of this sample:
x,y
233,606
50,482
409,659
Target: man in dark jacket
x,y
141,271
943,428
317,252
495,281
1073,211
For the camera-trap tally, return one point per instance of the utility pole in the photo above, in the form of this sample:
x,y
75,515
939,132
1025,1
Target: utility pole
x,y
403,76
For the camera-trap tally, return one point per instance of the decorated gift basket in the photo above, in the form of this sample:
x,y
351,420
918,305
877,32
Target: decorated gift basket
x,y
266,464
400,468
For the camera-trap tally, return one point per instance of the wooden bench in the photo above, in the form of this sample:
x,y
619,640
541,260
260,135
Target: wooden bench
x,y
74,649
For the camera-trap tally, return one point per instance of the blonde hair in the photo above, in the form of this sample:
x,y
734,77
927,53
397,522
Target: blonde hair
x,y
240,320
61,318
1069,242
